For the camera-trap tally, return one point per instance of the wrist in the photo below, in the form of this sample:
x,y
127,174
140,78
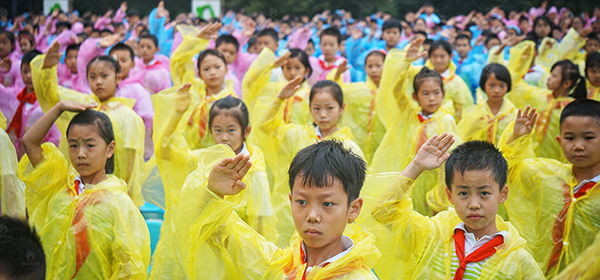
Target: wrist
x,y
413,170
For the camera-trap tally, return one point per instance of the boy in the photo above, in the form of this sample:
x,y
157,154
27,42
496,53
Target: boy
x,y
155,67
67,71
325,183
467,67
238,61
469,242
21,252
329,60
267,38
555,205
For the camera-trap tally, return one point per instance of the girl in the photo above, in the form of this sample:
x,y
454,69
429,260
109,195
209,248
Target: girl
x,y
26,42
361,109
440,60
229,125
256,82
283,141
103,77
542,27
592,73
564,85
411,124
208,88
10,63
89,227
488,119
12,189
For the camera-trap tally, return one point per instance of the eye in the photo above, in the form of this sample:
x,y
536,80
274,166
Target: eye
x,y
485,193
327,204
569,138
330,108
590,137
90,146
217,130
231,130
463,194
301,202
72,146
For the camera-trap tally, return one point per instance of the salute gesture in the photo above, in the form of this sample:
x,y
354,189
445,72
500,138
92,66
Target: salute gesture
x,y
225,178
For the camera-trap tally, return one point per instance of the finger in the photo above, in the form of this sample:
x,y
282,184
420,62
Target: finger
x,y
532,113
447,145
244,170
526,113
239,186
431,140
519,113
234,161
444,139
224,162
245,159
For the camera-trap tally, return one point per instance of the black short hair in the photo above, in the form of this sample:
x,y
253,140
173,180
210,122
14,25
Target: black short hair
x,y
303,57
105,130
318,165
72,47
224,106
21,251
106,30
391,23
252,41
29,56
477,155
490,37
375,53
118,24
426,73
206,53
499,71
592,61
63,24
440,44
334,89
420,32
462,36
269,32
149,37
227,39
10,36
582,108
332,31
123,47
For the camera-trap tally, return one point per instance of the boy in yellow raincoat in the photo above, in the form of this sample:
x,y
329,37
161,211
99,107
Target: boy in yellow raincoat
x,y
592,73
325,182
410,125
89,227
586,266
12,189
468,242
555,205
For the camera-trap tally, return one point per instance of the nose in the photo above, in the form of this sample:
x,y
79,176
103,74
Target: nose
x,y
313,215
578,145
81,153
474,204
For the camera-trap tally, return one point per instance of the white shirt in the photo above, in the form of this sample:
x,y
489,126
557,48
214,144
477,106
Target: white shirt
x,y
578,187
446,73
347,245
81,184
472,244
425,117
318,132
245,151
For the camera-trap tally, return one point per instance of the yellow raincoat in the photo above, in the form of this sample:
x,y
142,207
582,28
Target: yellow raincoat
x,y
12,189
539,189
406,133
215,243
593,91
586,266
568,48
99,234
128,127
283,141
257,83
418,247
482,124
183,70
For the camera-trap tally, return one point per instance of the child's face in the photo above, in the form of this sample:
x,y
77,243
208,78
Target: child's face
x,y
103,80
294,68
5,46
87,150
374,67
229,52
226,130
476,196
492,43
463,47
212,71
440,60
320,214
95,34
430,96
71,60
593,74
147,49
310,49
542,29
25,45
592,46
420,25
495,89
266,42
125,61
391,36
26,75
105,33
325,110
329,46
580,141
555,78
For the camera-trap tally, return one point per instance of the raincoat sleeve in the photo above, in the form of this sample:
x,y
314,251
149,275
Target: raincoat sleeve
x,y
213,241
12,189
472,128
569,46
586,266
521,93
257,78
392,99
183,69
88,50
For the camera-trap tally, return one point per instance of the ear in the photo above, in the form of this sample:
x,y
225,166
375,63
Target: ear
x,y
119,78
342,108
354,208
290,195
415,96
566,84
110,149
558,139
503,194
449,194
247,132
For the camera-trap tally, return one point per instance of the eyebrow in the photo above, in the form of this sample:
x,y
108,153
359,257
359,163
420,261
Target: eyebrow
x,y
478,188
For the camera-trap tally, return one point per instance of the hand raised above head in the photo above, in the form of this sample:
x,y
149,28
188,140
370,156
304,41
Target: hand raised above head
x,y
225,178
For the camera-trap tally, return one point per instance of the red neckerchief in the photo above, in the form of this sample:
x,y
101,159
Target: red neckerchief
x,y
17,121
79,224
303,260
154,65
559,224
478,255
322,63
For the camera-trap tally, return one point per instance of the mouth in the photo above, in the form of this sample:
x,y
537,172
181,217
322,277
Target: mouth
x,y
579,157
312,232
474,217
82,165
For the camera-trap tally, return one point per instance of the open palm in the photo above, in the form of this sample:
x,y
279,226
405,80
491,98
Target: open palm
x,y
434,152
225,178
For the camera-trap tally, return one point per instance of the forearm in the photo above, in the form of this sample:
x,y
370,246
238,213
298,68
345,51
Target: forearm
x,y
33,138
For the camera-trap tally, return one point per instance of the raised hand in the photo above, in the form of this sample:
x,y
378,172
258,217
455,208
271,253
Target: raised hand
x,y
160,9
340,70
430,156
5,64
183,98
73,106
52,56
123,6
524,122
249,28
109,40
413,50
290,88
283,60
209,30
225,178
